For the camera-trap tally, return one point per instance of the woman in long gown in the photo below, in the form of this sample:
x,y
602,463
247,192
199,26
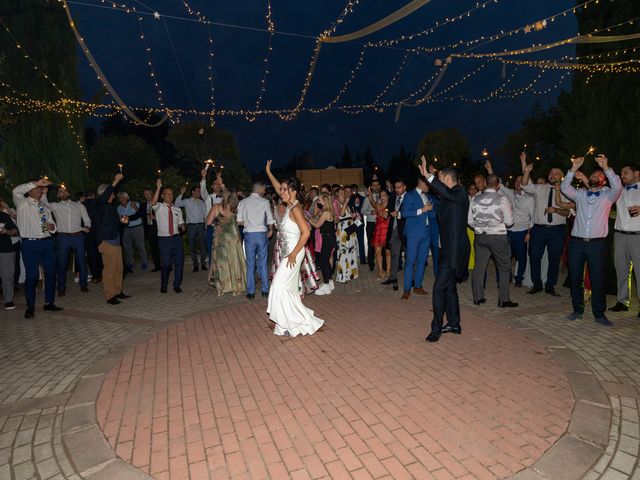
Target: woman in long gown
x,y
285,306
228,271
348,256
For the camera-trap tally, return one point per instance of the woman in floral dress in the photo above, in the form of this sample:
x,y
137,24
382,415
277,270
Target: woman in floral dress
x,y
228,271
347,240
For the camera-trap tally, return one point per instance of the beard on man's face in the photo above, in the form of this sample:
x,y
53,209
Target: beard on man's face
x,y
594,182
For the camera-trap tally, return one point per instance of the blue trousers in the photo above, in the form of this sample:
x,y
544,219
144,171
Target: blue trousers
x,y
519,252
208,239
594,254
415,258
434,246
66,244
551,238
171,255
35,253
256,245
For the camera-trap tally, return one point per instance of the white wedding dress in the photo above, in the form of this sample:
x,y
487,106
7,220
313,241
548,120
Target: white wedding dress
x,y
285,306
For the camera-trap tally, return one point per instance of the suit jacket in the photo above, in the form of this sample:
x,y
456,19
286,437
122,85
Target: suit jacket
x,y
452,219
391,206
142,213
415,225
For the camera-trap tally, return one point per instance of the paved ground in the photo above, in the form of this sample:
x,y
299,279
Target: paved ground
x,y
196,386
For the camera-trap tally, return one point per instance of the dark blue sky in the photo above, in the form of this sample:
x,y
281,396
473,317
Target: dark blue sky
x,y
239,58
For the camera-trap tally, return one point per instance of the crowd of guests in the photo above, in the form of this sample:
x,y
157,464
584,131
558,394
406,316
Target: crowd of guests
x,y
387,227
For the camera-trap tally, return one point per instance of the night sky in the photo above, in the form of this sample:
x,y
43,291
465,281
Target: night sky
x,y
239,55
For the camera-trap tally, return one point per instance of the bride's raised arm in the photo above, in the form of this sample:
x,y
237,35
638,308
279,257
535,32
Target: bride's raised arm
x,y
274,181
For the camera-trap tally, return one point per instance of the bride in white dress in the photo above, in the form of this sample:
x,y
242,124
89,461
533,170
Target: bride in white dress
x,y
285,306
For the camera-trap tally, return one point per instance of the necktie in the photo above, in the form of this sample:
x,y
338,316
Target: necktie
x,y
43,218
170,210
594,194
398,203
425,200
631,187
149,218
550,204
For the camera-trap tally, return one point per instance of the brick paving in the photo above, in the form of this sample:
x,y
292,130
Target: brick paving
x,y
375,370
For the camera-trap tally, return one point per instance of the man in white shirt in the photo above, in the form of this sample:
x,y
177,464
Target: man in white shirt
x,y
217,187
590,229
489,215
36,226
549,229
626,240
72,221
195,210
254,213
170,224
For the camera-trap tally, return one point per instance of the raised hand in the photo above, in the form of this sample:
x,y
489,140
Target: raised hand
x,y
576,164
203,172
268,167
183,190
159,183
423,166
118,178
432,170
582,177
523,158
527,168
488,166
602,161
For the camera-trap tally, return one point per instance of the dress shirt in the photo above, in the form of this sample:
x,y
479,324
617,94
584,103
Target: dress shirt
x,y
630,197
162,218
149,213
490,212
367,209
128,210
70,216
523,205
592,209
32,215
209,200
255,214
425,199
194,207
541,201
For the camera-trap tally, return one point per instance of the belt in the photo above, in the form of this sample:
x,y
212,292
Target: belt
x,y
36,239
134,226
74,234
600,239
547,226
627,233
197,223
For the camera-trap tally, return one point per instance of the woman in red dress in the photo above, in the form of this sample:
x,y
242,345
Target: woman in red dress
x,y
379,241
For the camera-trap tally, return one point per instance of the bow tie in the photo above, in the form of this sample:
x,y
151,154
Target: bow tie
x,y
596,194
631,187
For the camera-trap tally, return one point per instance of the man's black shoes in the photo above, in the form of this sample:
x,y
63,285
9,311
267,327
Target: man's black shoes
x,y
251,296
619,307
114,301
433,337
28,313
450,329
480,302
507,304
552,292
534,290
52,307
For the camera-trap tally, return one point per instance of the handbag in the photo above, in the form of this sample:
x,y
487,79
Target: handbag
x,y
351,229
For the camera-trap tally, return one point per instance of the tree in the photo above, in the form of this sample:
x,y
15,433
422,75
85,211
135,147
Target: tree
x,y
42,142
196,142
401,166
346,161
139,160
448,147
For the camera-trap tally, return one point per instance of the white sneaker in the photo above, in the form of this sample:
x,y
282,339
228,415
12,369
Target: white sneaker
x,y
332,285
323,290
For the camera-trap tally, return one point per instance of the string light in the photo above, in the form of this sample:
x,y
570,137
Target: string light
x,y
152,73
263,83
395,78
212,101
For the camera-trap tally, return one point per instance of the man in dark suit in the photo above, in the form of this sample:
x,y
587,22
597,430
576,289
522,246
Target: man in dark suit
x,y
150,228
395,236
94,259
454,254
417,238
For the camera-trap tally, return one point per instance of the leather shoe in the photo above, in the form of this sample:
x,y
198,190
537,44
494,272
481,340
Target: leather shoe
x,y
62,292
433,337
156,269
604,321
52,307
195,268
388,281
84,289
419,291
518,284
163,289
480,302
534,290
449,329
251,296
406,295
123,295
265,294
619,307
507,304
552,292
177,290
114,301
28,313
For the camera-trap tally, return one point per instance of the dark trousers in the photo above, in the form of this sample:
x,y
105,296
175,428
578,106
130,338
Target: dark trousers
x,y
94,258
171,256
196,234
445,299
208,240
594,254
360,235
551,238
323,257
519,252
67,244
151,236
34,254
371,252
434,245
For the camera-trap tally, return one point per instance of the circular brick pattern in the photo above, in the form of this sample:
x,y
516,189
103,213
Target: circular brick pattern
x,y
220,396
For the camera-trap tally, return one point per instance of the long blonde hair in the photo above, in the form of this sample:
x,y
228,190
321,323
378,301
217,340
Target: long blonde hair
x,y
230,200
327,205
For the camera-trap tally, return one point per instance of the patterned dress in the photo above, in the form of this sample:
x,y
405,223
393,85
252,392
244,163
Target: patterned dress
x,y
348,256
228,272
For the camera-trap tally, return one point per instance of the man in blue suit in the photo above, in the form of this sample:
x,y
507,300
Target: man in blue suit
x,y
418,237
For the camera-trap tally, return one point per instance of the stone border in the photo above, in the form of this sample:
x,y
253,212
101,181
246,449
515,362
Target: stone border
x,y
570,458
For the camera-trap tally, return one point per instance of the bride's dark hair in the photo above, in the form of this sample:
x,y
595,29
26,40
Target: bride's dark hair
x,y
294,184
